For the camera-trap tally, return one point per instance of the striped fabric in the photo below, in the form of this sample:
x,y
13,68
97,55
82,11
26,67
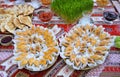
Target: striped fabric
x,y
4,56
95,72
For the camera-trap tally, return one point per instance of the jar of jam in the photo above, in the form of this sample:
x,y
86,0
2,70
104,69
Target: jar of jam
x,y
6,40
45,15
102,3
46,2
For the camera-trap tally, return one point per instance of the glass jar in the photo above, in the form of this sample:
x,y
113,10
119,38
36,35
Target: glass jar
x,y
46,2
102,4
45,15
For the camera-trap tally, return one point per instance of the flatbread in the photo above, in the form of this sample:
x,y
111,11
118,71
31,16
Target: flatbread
x,y
15,17
20,7
18,24
25,20
10,27
5,16
2,11
28,9
2,27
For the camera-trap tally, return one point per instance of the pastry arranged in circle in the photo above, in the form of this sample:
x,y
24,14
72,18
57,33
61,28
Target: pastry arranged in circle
x,y
85,47
36,48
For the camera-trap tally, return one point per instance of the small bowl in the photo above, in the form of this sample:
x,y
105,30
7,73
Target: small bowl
x,y
6,40
46,2
45,15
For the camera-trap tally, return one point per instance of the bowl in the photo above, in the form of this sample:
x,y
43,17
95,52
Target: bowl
x,y
6,40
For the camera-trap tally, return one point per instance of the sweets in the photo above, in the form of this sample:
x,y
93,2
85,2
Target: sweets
x,y
15,17
45,16
102,3
46,2
36,48
85,47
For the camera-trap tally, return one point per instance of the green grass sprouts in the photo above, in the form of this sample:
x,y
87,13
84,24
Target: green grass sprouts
x,y
71,10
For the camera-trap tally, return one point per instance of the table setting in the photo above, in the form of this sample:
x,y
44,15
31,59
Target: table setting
x,y
59,38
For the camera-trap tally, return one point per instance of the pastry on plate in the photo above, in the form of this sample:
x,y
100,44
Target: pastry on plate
x,y
25,20
85,46
16,17
18,24
41,47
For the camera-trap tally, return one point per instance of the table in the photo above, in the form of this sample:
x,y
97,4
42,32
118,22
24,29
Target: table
x,y
60,69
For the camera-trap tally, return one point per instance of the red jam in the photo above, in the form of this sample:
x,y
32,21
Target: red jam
x,y
45,16
46,2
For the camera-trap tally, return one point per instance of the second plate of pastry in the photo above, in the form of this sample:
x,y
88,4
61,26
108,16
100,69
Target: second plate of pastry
x,y
85,46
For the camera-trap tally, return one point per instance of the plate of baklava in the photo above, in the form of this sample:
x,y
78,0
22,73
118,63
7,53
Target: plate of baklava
x,y
35,48
85,46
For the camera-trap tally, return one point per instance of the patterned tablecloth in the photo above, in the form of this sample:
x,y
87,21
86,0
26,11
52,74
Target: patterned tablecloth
x,y
110,68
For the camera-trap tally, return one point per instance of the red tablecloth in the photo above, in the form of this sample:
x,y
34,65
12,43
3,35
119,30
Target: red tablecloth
x,y
60,69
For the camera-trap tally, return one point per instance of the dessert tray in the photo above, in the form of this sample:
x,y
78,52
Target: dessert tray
x,y
36,48
85,46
